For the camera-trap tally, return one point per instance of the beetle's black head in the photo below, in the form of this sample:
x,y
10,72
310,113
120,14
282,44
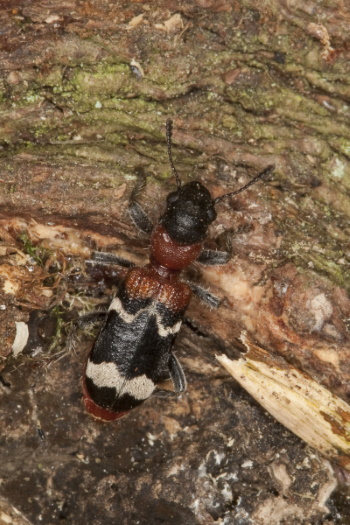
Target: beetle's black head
x,y
189,212
190,209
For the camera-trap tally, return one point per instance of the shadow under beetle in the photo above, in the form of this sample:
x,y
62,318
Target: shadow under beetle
x,y
133,351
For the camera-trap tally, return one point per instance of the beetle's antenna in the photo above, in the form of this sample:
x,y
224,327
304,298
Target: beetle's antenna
x,y
169,134
266,171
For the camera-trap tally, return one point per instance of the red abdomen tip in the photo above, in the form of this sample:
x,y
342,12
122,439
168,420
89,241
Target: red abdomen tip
x,y
102,414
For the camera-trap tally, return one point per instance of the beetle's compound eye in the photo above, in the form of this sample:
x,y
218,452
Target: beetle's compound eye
x,y
172,197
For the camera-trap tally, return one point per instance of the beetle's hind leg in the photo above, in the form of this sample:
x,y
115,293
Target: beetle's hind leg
x,y
91,318
174,371
177,374
82,323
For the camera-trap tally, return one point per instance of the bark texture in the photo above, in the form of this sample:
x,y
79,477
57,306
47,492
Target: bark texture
x,y
85,89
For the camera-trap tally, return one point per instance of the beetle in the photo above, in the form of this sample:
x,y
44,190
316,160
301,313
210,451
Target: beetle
x,y
133,351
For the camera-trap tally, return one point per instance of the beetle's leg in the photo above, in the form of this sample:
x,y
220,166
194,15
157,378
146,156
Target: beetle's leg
x,y
91,318
204,295
213,257
137,213
106,258
177,374
83,322
164,394
217,257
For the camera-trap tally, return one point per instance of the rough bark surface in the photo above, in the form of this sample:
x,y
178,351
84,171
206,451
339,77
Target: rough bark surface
x,y
85,89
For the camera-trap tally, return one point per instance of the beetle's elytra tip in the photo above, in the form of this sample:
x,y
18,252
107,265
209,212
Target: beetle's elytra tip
x,y
97,412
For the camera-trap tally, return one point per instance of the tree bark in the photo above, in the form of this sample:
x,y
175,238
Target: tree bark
x,y
86,88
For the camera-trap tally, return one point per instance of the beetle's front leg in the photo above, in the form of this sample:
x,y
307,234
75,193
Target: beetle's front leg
x,y
137,213
214,257
217,257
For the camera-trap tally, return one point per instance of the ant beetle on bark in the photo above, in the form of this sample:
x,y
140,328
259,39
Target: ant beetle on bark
x,y
133,351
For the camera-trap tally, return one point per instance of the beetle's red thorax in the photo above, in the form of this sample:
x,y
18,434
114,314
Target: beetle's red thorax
x,y
170,254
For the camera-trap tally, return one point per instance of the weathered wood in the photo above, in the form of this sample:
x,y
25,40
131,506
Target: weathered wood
x,y
86,88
